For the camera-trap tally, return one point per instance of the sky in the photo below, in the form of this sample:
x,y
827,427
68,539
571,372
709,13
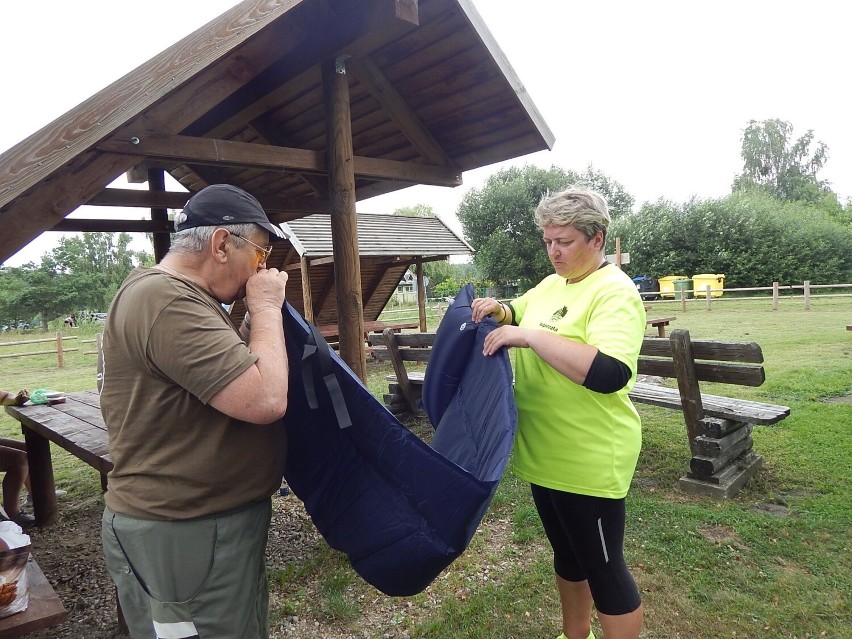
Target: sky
x,y
655,94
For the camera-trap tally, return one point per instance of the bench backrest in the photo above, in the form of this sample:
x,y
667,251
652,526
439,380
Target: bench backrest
x,y
715,361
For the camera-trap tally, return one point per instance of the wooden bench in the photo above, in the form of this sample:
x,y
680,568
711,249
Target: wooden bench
x,y
718,428
660,324
44,610
331,332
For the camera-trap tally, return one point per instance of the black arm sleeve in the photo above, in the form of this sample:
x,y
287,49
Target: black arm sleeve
x,y
606,374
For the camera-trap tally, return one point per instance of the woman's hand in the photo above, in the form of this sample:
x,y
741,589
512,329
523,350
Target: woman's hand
x,y
482,307
505,336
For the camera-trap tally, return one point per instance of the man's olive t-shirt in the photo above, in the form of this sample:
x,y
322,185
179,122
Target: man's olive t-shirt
x,y
571,438
168,348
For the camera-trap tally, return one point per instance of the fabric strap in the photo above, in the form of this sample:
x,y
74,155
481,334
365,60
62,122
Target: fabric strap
x,y
316,351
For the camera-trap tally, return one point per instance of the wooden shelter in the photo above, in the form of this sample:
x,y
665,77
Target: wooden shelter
x,y
310,105
388,246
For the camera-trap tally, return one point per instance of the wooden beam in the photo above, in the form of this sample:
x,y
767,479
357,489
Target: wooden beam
x,y
421,297
193,150
398,110
91,225
307,299
162,241
175,200
344,227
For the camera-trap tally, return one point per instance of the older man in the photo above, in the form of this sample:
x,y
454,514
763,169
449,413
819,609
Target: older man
x,y
193,407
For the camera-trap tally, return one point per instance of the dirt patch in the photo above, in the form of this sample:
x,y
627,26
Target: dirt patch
x,y
718,534
776,510
842,399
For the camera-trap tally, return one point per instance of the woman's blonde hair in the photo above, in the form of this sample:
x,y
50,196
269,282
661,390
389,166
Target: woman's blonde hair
x,y
582,208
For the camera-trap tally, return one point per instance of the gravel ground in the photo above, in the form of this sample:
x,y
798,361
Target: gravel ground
x,y
69,553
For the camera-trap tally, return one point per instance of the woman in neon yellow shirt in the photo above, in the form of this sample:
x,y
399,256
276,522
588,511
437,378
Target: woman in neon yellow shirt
x,y
578,335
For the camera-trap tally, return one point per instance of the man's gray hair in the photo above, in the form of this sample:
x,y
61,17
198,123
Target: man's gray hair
x,y
197,238
582,208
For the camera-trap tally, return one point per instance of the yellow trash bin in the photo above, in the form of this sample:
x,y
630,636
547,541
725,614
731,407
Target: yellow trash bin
x,y
667,285
716,281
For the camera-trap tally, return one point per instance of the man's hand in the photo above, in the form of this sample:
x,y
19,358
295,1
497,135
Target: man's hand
x,y
266,290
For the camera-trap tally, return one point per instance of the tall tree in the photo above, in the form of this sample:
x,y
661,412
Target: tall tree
x,y
498,218
95,265
781,165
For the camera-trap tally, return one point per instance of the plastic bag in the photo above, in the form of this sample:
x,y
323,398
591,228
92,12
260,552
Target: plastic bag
x,y
14,589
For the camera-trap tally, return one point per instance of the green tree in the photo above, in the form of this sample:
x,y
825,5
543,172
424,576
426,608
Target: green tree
x,y
95,265
498,219
37,290
751,238
783,167
418,210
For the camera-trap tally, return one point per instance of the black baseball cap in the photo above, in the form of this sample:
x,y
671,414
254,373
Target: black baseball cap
x,y
222,205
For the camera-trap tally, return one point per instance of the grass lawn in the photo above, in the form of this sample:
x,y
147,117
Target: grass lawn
x,y
772,562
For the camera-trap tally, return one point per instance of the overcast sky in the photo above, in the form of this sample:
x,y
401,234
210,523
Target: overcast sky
x,y
655,94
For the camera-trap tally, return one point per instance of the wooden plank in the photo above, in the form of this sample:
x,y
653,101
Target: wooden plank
x,y
704,349
687,382
714,405
399,369
721,372
44,610
702,467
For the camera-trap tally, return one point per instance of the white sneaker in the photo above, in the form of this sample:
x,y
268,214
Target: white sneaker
x,y
59,494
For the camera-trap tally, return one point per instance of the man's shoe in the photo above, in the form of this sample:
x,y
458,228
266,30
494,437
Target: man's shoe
x,y
24,520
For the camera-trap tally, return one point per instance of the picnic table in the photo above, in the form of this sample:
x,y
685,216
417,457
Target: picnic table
x,y
660,324
75,425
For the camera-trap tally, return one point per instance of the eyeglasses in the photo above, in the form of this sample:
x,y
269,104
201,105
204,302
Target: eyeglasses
x,y
262,251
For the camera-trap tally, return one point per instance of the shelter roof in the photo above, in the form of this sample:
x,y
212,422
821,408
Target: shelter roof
x,y
241,101
426,238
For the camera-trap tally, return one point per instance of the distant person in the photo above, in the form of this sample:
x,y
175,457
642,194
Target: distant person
x,y
578,335
193,408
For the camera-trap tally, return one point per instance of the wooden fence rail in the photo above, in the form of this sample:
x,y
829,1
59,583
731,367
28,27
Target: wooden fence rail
x,y
713,295
59,347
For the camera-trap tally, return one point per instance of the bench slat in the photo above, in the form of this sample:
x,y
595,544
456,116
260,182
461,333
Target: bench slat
x,y
742,410
706,349
723,372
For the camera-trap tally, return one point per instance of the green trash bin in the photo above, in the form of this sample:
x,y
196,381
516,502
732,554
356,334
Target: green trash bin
x,y
683,289
667,285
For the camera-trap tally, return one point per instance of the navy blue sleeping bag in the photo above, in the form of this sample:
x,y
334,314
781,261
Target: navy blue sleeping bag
x,y
400,509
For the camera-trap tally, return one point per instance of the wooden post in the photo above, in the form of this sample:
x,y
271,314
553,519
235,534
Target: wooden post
x,y
41,478
707,289
162,241
421,296
344,229
807,295
60,356
307,298
774,296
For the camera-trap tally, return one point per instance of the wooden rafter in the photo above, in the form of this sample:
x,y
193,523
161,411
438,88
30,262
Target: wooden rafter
x,y
183,148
